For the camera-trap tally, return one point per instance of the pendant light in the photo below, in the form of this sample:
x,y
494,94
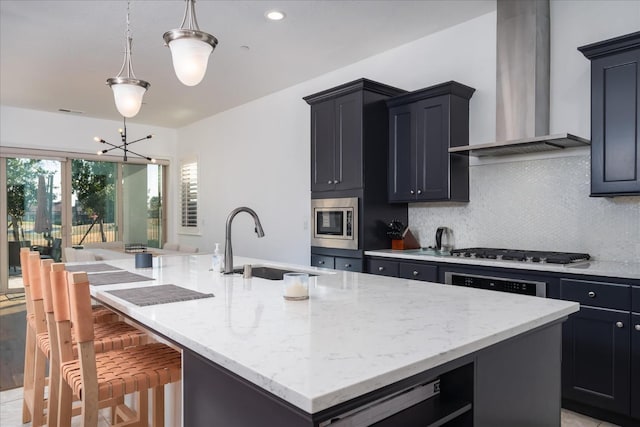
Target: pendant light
x,y
128,91
190,48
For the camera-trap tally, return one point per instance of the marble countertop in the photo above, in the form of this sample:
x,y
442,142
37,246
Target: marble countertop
x,y
356,333
623,270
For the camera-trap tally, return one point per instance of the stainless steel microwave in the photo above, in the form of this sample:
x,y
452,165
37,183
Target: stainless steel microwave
x,y
335,223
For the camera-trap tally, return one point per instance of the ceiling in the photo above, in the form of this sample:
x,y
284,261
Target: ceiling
x,y
58,54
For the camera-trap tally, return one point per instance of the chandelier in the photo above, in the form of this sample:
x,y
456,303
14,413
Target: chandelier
x,y
190,48
128,90
125,145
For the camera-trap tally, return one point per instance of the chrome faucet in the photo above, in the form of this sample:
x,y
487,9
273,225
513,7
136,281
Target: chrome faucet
x,y
228,252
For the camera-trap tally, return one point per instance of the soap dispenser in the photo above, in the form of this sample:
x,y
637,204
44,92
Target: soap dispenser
x,y
216,261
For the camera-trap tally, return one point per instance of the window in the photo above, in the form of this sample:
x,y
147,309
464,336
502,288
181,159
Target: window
x,y
189,196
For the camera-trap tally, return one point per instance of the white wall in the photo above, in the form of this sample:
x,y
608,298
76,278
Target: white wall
x,y
258,154
23,128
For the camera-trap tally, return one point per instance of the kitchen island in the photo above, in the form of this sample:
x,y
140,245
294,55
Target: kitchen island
x,y
252,358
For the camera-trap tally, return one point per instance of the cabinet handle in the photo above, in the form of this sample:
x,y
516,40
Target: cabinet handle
x,y
619,324
419,191
415,273
347,265
591,294
412,192
320,262
637,327
335,181
380,268
330,182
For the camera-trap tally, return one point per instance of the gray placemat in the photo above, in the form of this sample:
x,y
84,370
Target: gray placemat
x,y
116,277
92,268
159,294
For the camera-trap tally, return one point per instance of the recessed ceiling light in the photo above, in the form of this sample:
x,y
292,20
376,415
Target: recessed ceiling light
x,y
275,15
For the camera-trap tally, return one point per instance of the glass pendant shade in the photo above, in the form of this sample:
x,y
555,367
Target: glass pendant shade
x,y
190,59
128,94
190,47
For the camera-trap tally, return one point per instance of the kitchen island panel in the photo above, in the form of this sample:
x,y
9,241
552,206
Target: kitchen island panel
x,y
356,333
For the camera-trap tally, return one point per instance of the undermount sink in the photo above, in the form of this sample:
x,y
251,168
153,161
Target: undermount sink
x,y
270,273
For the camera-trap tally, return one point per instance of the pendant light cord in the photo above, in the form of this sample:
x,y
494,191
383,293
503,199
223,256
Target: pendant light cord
x,y
190,16
127,49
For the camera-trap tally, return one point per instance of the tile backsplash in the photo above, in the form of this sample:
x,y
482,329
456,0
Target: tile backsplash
x,y
539,204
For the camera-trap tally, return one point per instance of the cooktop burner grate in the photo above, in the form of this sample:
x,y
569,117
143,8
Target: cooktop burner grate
x,y
521,255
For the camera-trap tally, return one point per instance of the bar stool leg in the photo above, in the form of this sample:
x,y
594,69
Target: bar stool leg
x,y
29,365
40,366
158,407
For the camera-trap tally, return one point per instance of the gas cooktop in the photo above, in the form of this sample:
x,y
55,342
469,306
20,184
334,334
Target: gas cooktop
x,y
520,255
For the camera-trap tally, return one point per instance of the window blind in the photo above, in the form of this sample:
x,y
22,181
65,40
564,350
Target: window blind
x,y
189,194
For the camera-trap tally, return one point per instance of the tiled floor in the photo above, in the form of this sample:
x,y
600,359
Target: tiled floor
x,y
11,411
11,414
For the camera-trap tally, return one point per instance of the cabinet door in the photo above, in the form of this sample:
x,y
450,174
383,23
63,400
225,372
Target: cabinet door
x,y
615,124
402,156
348,264
322,146
432,149
635,366
322,261
595,359
424,272
348,145
383,267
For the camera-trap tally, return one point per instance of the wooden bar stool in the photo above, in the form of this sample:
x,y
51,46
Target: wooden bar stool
x,y
35,324
110,335
104,379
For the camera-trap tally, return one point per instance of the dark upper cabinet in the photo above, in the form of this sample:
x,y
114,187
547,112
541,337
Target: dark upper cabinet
x,y
336,143
422,126
615,115
345,127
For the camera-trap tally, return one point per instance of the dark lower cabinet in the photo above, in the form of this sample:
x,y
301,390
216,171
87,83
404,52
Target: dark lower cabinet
x,y
382,267
416,271
595,360
423,271
635,365
337,263
615,115
322,261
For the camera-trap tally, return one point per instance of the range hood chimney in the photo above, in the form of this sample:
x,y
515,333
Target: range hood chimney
x,y
522,83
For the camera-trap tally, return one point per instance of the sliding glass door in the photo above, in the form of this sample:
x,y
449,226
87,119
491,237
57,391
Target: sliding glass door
x,y
142,204
32,206
94,202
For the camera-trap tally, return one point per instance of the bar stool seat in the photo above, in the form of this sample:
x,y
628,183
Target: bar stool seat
x,y
109,336
124,372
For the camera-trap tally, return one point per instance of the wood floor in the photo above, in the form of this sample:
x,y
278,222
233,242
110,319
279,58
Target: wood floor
x,y
12,331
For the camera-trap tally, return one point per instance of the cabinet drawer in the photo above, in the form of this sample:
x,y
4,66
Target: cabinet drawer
x,y
635,299
427,273
596,294
348,264
322,261
383,268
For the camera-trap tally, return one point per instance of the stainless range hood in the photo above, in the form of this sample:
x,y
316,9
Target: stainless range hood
x,y
522,84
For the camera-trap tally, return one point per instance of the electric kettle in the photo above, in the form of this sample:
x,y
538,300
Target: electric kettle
x,y
444,239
